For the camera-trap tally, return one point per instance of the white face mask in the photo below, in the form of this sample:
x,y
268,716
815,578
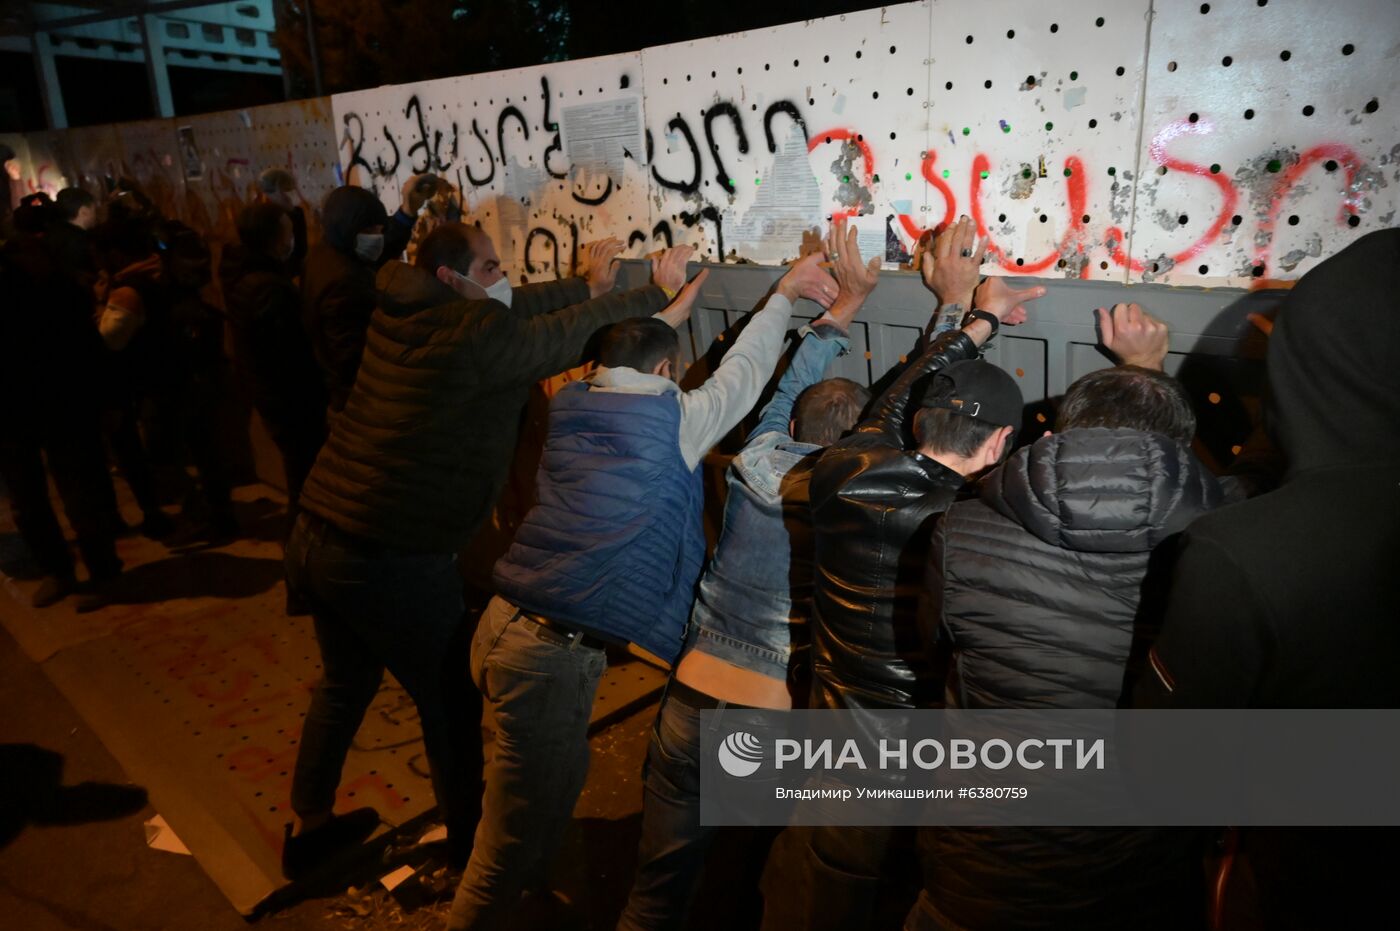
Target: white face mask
x,y
500,291
369,246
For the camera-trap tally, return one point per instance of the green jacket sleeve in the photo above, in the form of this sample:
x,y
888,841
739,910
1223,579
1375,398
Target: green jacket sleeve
x,y
545,297
528,348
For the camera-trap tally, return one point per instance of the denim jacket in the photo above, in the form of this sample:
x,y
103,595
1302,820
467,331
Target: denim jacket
x,y
755,596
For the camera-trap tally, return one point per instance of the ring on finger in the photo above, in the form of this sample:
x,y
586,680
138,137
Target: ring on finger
x,y
967,253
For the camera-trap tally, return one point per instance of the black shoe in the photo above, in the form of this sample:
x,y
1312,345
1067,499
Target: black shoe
x,y
303,853
157,526
97,594
52,590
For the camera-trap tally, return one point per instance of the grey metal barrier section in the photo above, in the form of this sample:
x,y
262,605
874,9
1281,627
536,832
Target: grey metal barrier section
x,y
1215,351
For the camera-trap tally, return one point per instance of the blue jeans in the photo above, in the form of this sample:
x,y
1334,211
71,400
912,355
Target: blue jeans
x,y
376,607
674,844
538,687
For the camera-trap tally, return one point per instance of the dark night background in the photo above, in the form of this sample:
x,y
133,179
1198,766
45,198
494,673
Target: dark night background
x,y
367,43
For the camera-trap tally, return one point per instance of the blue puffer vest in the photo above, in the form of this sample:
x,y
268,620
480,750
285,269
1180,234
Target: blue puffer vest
x,y
615,544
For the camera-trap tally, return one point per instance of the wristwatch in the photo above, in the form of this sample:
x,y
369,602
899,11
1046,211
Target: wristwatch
x,y
976,314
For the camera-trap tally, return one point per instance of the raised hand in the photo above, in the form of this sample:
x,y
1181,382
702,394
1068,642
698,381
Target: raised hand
x,y
1004,302
600,265
1133,335
668,271
678,311
417,190
953,265
806,278
855,278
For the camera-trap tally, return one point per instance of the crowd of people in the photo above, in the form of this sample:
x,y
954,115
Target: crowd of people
x,y
899,551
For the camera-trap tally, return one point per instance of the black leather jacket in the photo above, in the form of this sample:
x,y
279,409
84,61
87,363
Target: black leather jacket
x,y
872,506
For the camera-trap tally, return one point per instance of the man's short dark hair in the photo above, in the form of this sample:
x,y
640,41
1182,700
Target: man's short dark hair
x,y
827,410
1129,397
940,430
72,199
638,343
451,245
259,226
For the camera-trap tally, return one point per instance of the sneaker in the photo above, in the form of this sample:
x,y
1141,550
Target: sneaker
x,y
303,853
157,526
97,594
52,590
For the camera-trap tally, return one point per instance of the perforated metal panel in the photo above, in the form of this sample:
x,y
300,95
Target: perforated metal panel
x,y
496,139
1272,137
235,146
760,136
1215,351
1167,141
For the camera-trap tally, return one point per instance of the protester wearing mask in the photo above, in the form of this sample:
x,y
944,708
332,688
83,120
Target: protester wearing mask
x,y
337,285
411,469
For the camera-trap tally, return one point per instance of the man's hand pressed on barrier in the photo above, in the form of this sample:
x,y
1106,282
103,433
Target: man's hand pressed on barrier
x,y
668,271
678,311
601,265
1004,302
1133,335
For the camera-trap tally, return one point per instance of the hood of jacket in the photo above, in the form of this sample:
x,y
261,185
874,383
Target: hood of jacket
x,y
349,210
1333,374
1103,490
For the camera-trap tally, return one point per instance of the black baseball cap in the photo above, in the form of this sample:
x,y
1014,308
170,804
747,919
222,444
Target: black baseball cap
x,y
976,389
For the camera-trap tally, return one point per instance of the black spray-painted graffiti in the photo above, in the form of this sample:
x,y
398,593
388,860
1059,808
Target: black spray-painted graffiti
x,y
437,149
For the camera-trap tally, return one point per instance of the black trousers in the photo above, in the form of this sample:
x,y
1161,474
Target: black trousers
x,y
71,443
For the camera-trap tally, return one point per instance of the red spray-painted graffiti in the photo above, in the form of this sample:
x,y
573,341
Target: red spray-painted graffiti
x,y
1077,238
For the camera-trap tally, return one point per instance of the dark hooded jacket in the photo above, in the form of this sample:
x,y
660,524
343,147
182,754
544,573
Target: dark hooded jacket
x,y
1291,599
1036,583
337,287
419,454
1037,586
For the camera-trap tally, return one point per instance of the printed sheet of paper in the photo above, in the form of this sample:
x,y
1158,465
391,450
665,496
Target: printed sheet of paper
x,y
596,134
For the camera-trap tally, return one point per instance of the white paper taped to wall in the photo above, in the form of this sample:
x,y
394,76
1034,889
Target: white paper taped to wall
x,y
599,134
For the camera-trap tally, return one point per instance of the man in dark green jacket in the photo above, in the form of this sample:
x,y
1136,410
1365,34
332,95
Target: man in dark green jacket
x,y
411,469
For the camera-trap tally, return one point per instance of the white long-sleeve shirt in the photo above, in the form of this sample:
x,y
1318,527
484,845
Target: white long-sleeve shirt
x,y
712,410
